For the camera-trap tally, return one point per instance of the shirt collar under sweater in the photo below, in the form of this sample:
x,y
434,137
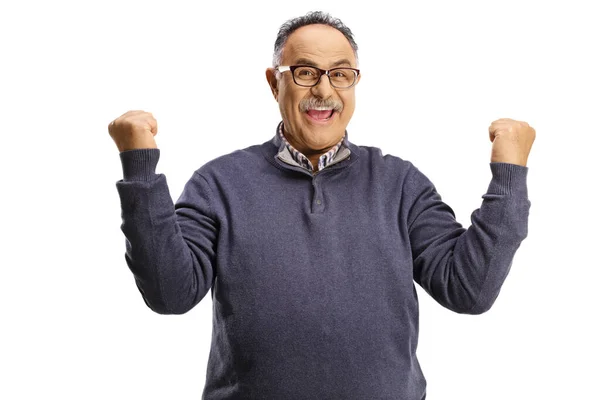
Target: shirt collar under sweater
x,y
302,160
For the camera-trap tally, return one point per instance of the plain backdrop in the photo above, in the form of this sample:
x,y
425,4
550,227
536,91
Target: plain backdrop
x,y
435,75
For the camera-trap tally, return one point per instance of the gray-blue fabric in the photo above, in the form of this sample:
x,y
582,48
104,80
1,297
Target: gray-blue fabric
x,y
312,276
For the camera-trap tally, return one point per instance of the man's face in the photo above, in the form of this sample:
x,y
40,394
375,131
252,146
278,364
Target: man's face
x,y
324,47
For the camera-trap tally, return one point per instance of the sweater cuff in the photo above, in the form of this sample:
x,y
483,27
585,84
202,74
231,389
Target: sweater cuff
x,y
139,164
508,179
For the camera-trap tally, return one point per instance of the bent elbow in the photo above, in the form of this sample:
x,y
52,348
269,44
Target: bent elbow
x,y
171,311
480,307
160,304
167,309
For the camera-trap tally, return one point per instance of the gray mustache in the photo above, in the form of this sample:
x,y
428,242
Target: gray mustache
x,y
307,104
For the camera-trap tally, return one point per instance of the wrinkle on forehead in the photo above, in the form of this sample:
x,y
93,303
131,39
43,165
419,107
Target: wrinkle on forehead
x,y
324,58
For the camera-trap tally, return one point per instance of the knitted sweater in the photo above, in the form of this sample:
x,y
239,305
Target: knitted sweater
x,y
312,276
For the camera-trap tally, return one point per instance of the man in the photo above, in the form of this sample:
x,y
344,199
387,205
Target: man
x,y
311,244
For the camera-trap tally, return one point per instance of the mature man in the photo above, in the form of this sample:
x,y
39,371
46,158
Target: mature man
x,y
311,244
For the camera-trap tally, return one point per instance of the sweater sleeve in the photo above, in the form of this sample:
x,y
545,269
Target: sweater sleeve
x,y
464,269
170,248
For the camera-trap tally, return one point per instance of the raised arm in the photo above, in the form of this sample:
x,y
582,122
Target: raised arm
x,y
464,269
170,249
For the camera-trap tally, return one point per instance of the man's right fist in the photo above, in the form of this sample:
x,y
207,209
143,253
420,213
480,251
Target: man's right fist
x,y
134,130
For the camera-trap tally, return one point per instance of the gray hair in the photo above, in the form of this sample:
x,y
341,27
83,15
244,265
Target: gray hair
x,y
313,17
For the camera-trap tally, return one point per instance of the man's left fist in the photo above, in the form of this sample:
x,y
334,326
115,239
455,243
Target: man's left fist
x,y
511,141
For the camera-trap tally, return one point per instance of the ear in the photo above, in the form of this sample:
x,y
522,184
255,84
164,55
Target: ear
x,y
273,82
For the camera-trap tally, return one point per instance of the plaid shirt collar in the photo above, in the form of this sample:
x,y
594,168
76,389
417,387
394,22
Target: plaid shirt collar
x,y
302,160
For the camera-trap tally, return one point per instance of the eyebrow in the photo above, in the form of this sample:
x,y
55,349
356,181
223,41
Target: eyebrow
x,y
306,61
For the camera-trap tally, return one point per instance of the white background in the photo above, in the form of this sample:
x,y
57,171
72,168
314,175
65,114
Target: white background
x,y
435,75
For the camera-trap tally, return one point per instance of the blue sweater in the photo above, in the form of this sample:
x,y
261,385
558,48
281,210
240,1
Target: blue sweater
x,y
312,277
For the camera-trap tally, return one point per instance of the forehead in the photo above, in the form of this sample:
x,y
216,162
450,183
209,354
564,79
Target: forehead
x,y
320,43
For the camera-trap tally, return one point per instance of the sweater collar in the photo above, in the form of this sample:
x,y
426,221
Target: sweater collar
x,y
283,152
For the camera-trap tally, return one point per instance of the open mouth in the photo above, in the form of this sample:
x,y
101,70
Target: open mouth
x,y
320,115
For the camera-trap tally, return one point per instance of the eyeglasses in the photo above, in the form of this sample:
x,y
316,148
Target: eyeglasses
x,y
307,76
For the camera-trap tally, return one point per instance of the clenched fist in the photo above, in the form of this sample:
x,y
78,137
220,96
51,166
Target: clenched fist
x,y
134,130
511,141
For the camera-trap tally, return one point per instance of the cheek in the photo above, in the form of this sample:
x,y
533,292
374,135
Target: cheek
x,y
289,99
348,108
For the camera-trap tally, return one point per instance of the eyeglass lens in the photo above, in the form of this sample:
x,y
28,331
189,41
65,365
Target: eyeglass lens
x,y
340,77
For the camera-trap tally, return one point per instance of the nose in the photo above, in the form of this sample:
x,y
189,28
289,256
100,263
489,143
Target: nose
x,y
323,88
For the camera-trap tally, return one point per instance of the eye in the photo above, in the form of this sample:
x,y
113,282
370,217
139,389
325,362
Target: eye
x,y
305,72
340,73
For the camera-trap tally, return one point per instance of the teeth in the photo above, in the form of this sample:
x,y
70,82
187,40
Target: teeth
x,y
322,108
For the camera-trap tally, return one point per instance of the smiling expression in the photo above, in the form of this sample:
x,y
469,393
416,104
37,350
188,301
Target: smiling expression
x,y
304,110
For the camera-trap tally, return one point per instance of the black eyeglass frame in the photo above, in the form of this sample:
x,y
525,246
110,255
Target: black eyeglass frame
x,y
292,68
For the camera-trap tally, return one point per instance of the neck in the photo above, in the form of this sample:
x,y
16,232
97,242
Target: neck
x,y
312,155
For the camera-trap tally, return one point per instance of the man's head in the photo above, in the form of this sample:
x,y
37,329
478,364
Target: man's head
x,y
324,42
